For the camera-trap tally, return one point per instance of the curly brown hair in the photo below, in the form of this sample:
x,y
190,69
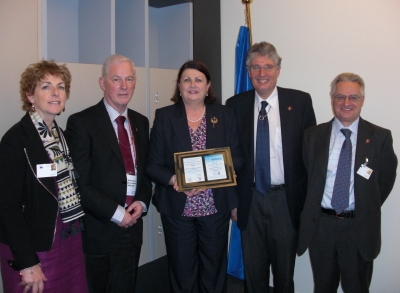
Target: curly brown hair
x,y
35,73
200,66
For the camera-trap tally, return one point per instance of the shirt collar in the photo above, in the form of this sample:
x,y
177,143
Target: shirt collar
x,y
114,113
337,125
272,100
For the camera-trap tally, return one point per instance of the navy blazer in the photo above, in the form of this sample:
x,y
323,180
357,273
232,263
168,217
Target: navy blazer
x,y
374,143
97,158
28,209
170,134
296,114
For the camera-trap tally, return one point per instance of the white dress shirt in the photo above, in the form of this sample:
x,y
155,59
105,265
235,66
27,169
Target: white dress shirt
x,y
120,211
275,136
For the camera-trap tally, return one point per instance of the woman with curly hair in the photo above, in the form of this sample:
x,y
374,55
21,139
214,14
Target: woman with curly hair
x,y
40,210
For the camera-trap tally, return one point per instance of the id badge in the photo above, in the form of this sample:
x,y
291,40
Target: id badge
x,y
364,171
131,184
46,170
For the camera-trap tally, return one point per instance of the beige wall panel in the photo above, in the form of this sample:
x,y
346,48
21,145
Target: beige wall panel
x,y
159,248
85,90
19,48
162,82
138,102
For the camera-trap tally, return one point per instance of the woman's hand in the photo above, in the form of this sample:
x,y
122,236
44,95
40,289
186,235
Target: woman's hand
x,y
33,278
192,192
172,182
234,215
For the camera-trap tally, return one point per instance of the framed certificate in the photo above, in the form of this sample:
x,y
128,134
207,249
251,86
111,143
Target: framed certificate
x,y
211,168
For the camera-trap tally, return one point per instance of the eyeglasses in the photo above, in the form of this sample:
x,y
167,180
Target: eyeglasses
x,y
352,98
257,68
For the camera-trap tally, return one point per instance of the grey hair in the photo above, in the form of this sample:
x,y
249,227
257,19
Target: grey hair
x,y
263,49
348,77
114,59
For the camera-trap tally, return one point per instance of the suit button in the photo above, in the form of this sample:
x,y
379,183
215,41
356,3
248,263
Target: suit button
x,y
314,220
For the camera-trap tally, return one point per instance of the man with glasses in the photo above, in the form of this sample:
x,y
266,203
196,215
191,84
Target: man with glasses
x,y
272,185
351,168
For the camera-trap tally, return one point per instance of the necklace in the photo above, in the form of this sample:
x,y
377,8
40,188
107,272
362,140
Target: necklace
x,y
262,117
194,121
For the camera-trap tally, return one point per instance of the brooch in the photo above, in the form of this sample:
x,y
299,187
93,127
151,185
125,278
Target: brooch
x,y
214,121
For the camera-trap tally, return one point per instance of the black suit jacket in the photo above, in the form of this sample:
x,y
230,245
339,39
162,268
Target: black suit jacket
x,y
296,114
170,134
98,160
374,143
28,209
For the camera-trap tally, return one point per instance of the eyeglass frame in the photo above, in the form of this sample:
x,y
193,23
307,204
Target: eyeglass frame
x,y
351,98
257,68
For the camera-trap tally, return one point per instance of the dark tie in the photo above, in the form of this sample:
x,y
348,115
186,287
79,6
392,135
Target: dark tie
x,y
126,151
340,195
263,168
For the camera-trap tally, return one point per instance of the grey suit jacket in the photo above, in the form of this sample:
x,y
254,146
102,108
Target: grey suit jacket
x,y
374,143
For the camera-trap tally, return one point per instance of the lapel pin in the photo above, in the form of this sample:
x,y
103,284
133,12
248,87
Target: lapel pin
x,y
136,129
214,121
367,140
289,108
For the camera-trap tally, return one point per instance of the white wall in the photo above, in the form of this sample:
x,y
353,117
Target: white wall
x,y
16,17
318,40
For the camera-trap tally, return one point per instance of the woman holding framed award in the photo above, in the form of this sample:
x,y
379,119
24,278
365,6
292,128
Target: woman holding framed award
x,y
196,221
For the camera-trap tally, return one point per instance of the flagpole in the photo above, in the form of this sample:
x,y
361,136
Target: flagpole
x,y
248,18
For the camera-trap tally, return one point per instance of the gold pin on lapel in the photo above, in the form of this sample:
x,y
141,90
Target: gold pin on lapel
x,y
136,129
290,108
214,121
367,140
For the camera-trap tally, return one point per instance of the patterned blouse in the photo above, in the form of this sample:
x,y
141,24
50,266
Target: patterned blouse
x,y
201,204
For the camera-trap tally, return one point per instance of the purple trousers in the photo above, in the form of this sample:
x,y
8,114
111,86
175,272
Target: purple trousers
x,y
63,265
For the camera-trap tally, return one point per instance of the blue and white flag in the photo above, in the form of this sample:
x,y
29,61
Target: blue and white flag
x,y
242,84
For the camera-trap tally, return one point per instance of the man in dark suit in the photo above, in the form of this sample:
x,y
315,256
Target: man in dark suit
x,y
272,185
109,145
351,168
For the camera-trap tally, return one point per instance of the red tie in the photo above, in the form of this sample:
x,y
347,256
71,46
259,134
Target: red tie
x,y
126,151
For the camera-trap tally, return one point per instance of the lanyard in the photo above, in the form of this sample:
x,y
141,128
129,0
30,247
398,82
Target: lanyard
x,y
133,143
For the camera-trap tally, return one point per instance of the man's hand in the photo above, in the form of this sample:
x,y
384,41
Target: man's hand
x,y
131,219
127,221
234,215
137,209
